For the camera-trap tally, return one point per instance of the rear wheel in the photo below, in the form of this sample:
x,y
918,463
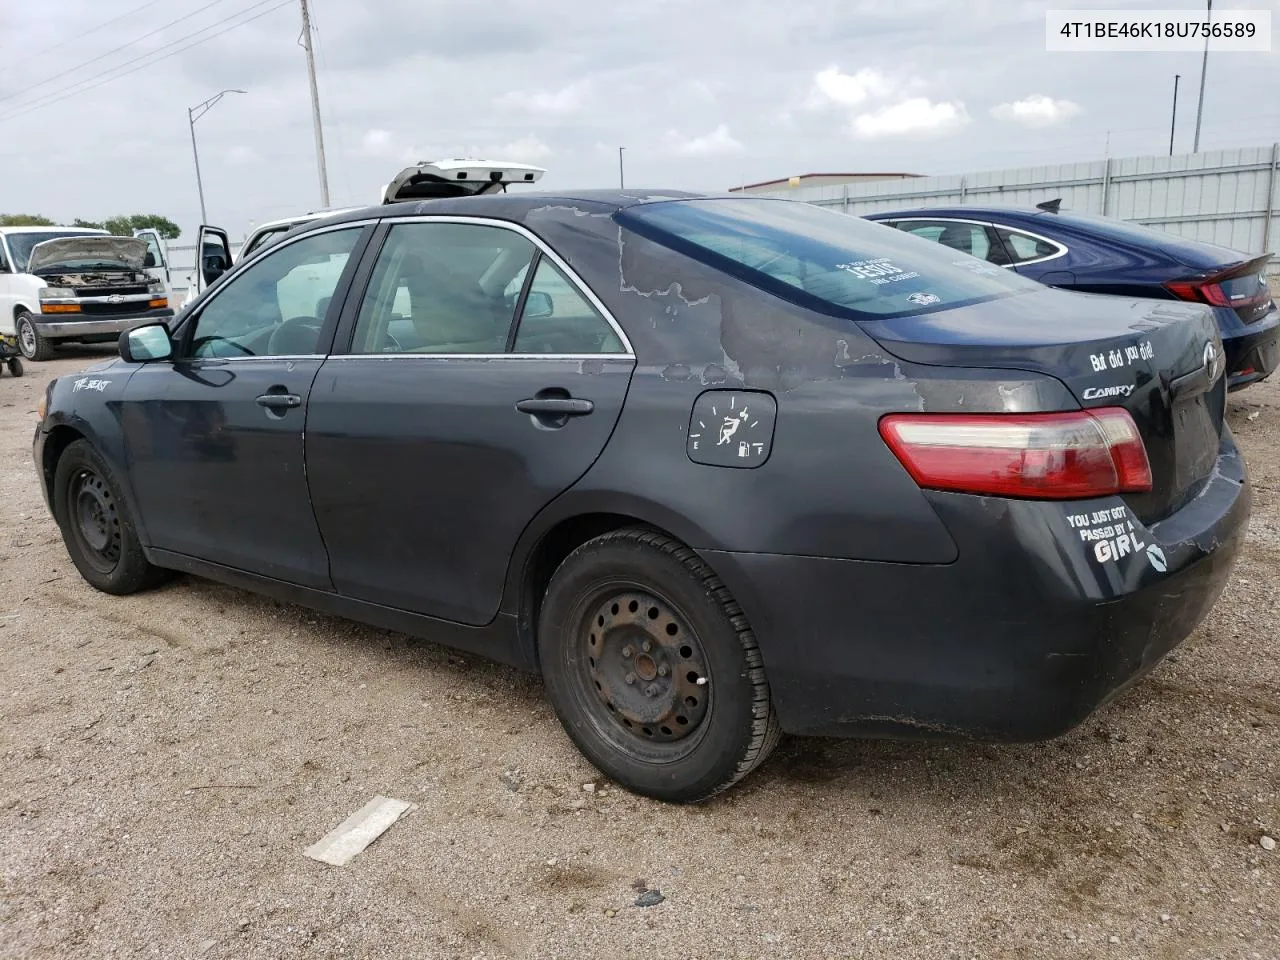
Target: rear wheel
x,y
96,524
32,345
652,668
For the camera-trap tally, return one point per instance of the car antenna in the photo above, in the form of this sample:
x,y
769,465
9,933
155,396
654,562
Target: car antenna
x,y
1050,206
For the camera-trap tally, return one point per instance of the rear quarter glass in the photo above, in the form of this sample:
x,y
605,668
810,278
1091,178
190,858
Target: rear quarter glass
x,y
826,261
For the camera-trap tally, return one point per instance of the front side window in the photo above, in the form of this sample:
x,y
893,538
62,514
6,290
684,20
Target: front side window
x,y
1023,246
153,246
820,259
557,318
276,307
443,288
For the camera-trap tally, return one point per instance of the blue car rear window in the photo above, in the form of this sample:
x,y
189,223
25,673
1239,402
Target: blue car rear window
x,y
822,259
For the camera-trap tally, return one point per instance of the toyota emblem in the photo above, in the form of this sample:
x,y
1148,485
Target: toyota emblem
x,y
116,298
1213,362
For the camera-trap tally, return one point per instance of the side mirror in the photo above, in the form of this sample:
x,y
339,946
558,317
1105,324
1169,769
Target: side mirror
x,y
538,305
150,341
149,260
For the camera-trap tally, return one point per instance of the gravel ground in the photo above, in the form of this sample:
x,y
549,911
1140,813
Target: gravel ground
x,y
165,759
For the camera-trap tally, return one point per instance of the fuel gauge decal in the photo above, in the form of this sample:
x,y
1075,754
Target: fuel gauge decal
x,y
732,428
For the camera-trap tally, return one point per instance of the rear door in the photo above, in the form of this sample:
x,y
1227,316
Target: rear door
x,y
215,437
481,381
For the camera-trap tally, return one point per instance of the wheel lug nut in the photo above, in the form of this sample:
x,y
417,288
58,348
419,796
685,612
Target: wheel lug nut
x,y
630,678
651,690
627,651
646,646
663,670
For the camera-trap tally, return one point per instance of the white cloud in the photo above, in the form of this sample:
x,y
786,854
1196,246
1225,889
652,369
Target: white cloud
x,y
919,115
241,156
526,149
833,88
566,100
718,142
1036,110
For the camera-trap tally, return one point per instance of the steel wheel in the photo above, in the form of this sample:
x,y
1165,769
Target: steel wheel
x,y
647,672
95,520
27,338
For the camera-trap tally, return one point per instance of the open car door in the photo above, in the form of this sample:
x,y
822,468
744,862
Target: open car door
x,y
157,263
213,259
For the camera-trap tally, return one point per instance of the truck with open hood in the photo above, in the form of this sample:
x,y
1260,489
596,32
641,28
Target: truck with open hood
x,y
71,284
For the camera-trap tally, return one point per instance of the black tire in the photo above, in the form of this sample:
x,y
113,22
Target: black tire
x,y
680,719
15,366
33,346
96,524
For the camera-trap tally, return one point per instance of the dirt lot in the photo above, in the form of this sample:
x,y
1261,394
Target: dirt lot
x,y
165,758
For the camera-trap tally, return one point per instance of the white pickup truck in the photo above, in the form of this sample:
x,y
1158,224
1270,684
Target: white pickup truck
x,y
75,284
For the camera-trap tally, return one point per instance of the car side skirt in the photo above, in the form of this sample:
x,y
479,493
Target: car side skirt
x,y
497,640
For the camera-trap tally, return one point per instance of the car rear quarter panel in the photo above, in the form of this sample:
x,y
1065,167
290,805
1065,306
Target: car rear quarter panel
x,y
830,487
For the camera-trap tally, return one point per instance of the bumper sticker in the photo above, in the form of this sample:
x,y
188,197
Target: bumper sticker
x,y
1112,535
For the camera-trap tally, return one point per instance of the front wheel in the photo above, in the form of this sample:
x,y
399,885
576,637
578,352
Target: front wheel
x,y
30,342
97,527
652,668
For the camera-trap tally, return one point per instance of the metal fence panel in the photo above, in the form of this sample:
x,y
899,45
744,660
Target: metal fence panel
x,y
1228,197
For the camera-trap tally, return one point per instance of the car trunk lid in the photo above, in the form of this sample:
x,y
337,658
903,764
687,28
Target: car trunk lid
x,y
1161,361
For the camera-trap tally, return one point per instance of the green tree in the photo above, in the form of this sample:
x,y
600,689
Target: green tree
x,y
125,225
24,220
88,223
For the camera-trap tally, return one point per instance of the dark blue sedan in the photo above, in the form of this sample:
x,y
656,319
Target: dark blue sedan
x,y
1103,255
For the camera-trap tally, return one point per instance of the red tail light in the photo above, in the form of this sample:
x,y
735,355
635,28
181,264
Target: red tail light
x,y
1199,291
1039,456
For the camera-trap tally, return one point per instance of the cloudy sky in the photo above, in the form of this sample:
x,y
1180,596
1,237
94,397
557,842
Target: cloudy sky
x,y
704,94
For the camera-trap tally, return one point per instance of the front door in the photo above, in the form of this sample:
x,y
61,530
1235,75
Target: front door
x,y
159,266
480,383
215,438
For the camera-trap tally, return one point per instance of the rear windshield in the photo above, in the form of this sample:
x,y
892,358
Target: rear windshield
x,y
1126,231
821,259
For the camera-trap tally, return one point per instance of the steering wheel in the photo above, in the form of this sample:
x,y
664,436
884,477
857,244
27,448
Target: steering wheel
x,y
285,338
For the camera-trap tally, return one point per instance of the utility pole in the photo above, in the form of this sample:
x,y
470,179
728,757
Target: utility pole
x,y
194,114
315,105
1173,122
1204,66
622,183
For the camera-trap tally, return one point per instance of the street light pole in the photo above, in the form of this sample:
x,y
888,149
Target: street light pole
x,y
194,114
622,183
1204,66
1173,122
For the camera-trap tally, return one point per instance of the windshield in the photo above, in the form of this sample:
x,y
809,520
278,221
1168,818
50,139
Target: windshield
x,y
20,244
821,259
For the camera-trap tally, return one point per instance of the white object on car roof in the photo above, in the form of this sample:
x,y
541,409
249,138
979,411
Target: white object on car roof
x,y
457,178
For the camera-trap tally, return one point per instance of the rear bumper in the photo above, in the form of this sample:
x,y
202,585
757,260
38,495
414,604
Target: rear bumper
x,y
1021,638
104,327
1253,350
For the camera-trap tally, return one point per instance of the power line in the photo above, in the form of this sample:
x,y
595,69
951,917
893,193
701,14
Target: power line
x,y
82,34
82,86
103,56
52,98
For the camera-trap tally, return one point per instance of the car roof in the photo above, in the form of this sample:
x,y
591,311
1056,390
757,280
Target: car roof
x,y
516,206
966,212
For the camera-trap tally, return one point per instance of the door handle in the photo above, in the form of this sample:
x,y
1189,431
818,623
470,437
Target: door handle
x,y
556,406
279,401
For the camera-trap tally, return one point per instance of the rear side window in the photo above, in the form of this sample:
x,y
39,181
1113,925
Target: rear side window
x,y
821,259
443,288
1023,247
559,319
